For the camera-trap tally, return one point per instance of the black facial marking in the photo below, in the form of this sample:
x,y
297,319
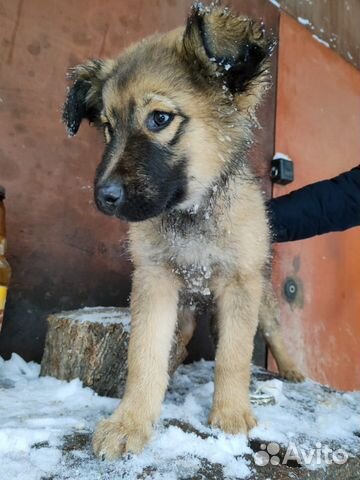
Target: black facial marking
x,y
180,130
131,113
152,179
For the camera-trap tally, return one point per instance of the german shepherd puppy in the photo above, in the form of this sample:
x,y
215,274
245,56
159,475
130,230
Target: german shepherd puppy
x,y
177,111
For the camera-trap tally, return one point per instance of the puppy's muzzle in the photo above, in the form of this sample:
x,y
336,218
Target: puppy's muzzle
x,y
110,197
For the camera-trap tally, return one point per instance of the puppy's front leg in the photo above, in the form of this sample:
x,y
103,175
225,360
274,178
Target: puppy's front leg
x,y
238,303
154,313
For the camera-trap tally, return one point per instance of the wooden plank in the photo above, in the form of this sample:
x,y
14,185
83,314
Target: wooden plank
x,y
334,21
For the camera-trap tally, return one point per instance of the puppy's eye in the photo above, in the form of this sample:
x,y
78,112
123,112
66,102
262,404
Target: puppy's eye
x,y
159,120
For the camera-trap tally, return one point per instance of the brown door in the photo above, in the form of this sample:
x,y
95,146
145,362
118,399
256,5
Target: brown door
x,y
318,126
63,252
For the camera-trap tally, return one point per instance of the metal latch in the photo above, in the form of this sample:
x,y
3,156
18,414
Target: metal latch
x,y
282,169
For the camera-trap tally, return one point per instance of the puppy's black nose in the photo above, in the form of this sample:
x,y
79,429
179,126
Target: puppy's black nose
x,y
109,197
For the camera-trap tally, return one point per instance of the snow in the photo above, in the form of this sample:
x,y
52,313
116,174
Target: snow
x,y
320,40
272,389
311,413
104,315
276,3
39,415
279,155
304,21
39,411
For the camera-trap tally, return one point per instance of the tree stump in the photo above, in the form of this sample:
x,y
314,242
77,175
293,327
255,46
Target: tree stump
x,y
91,344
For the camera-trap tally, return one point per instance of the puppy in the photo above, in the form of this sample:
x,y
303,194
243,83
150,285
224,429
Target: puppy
x,y
177,111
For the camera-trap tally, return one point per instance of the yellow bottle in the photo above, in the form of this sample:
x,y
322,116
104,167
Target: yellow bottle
x,y
5,270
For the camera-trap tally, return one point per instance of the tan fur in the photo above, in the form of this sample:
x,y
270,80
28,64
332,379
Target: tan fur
x,y
240,246
153,325
238,300
214,243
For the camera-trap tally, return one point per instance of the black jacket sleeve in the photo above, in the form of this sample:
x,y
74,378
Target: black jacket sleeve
x,y
322,207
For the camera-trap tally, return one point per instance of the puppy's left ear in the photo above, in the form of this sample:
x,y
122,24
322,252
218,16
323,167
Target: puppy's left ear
x,y
227,46
84,99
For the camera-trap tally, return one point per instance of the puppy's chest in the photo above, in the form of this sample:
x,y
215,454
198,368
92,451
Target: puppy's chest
x,y
196,278
193,247
195,259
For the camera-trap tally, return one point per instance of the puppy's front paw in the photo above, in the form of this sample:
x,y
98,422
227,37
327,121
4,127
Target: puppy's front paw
x,y
120,434
232,420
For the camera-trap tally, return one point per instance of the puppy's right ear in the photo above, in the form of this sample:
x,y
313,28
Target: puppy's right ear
x,y
84,99
228,48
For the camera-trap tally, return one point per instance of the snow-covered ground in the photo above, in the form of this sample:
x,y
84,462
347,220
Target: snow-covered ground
x,y
45,426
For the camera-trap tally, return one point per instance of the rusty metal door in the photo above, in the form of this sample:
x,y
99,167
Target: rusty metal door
x,y
318,126
63,252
